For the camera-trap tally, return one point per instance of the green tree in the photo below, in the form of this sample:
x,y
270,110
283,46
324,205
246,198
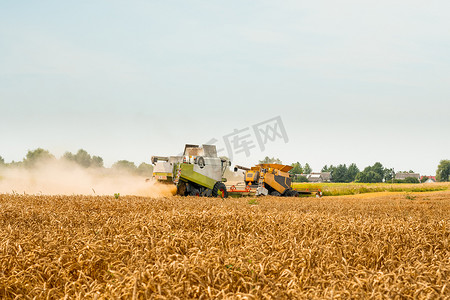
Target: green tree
x,y
296,169
39,155
97,162
339,174
300,178
270,160
307,169
368,176
330,169
2,161
411,180
84,159
379,169
145,169
124,165
16,164
373,173
352,171
443,170
68,156
424,178
389,174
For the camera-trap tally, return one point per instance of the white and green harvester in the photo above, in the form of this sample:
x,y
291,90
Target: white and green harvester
x,y
198,172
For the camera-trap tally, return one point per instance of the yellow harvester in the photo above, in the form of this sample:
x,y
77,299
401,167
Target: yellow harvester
x,y
269,179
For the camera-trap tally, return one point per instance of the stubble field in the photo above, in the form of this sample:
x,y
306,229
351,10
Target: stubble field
x,y
376,246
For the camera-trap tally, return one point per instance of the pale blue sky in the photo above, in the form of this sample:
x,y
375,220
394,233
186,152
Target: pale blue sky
x,y
353,81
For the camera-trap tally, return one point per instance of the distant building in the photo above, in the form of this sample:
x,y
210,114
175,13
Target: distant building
x,y
403,175
429,180
318,177
326,176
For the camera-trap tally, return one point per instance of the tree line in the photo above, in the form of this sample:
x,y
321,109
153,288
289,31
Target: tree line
x,y
370,174
339,173
81,158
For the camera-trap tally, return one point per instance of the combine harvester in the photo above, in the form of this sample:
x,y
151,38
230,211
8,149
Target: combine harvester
x,y
199,172
269,179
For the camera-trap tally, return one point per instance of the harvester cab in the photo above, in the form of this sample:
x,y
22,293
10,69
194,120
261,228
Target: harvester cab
x,y
163,168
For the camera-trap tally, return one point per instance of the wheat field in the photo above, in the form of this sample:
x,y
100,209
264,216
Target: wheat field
x,y
98,247
353,188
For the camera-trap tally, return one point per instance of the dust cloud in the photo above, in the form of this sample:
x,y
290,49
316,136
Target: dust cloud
x,y
234,178
67,178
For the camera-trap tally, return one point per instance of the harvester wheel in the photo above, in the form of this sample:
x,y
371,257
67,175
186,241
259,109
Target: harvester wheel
x,y
294,194
289,193
275,193
206,193
195,193
220,190
181,189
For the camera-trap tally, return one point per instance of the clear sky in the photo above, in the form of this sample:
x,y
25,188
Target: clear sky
x,y
352,81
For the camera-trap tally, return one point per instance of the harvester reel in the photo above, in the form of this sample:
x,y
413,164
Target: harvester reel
x,y
206,193
195,192
294,194
181,188
291,193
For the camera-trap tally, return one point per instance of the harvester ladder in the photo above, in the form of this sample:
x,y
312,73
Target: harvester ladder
x,y
177,177
261,179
